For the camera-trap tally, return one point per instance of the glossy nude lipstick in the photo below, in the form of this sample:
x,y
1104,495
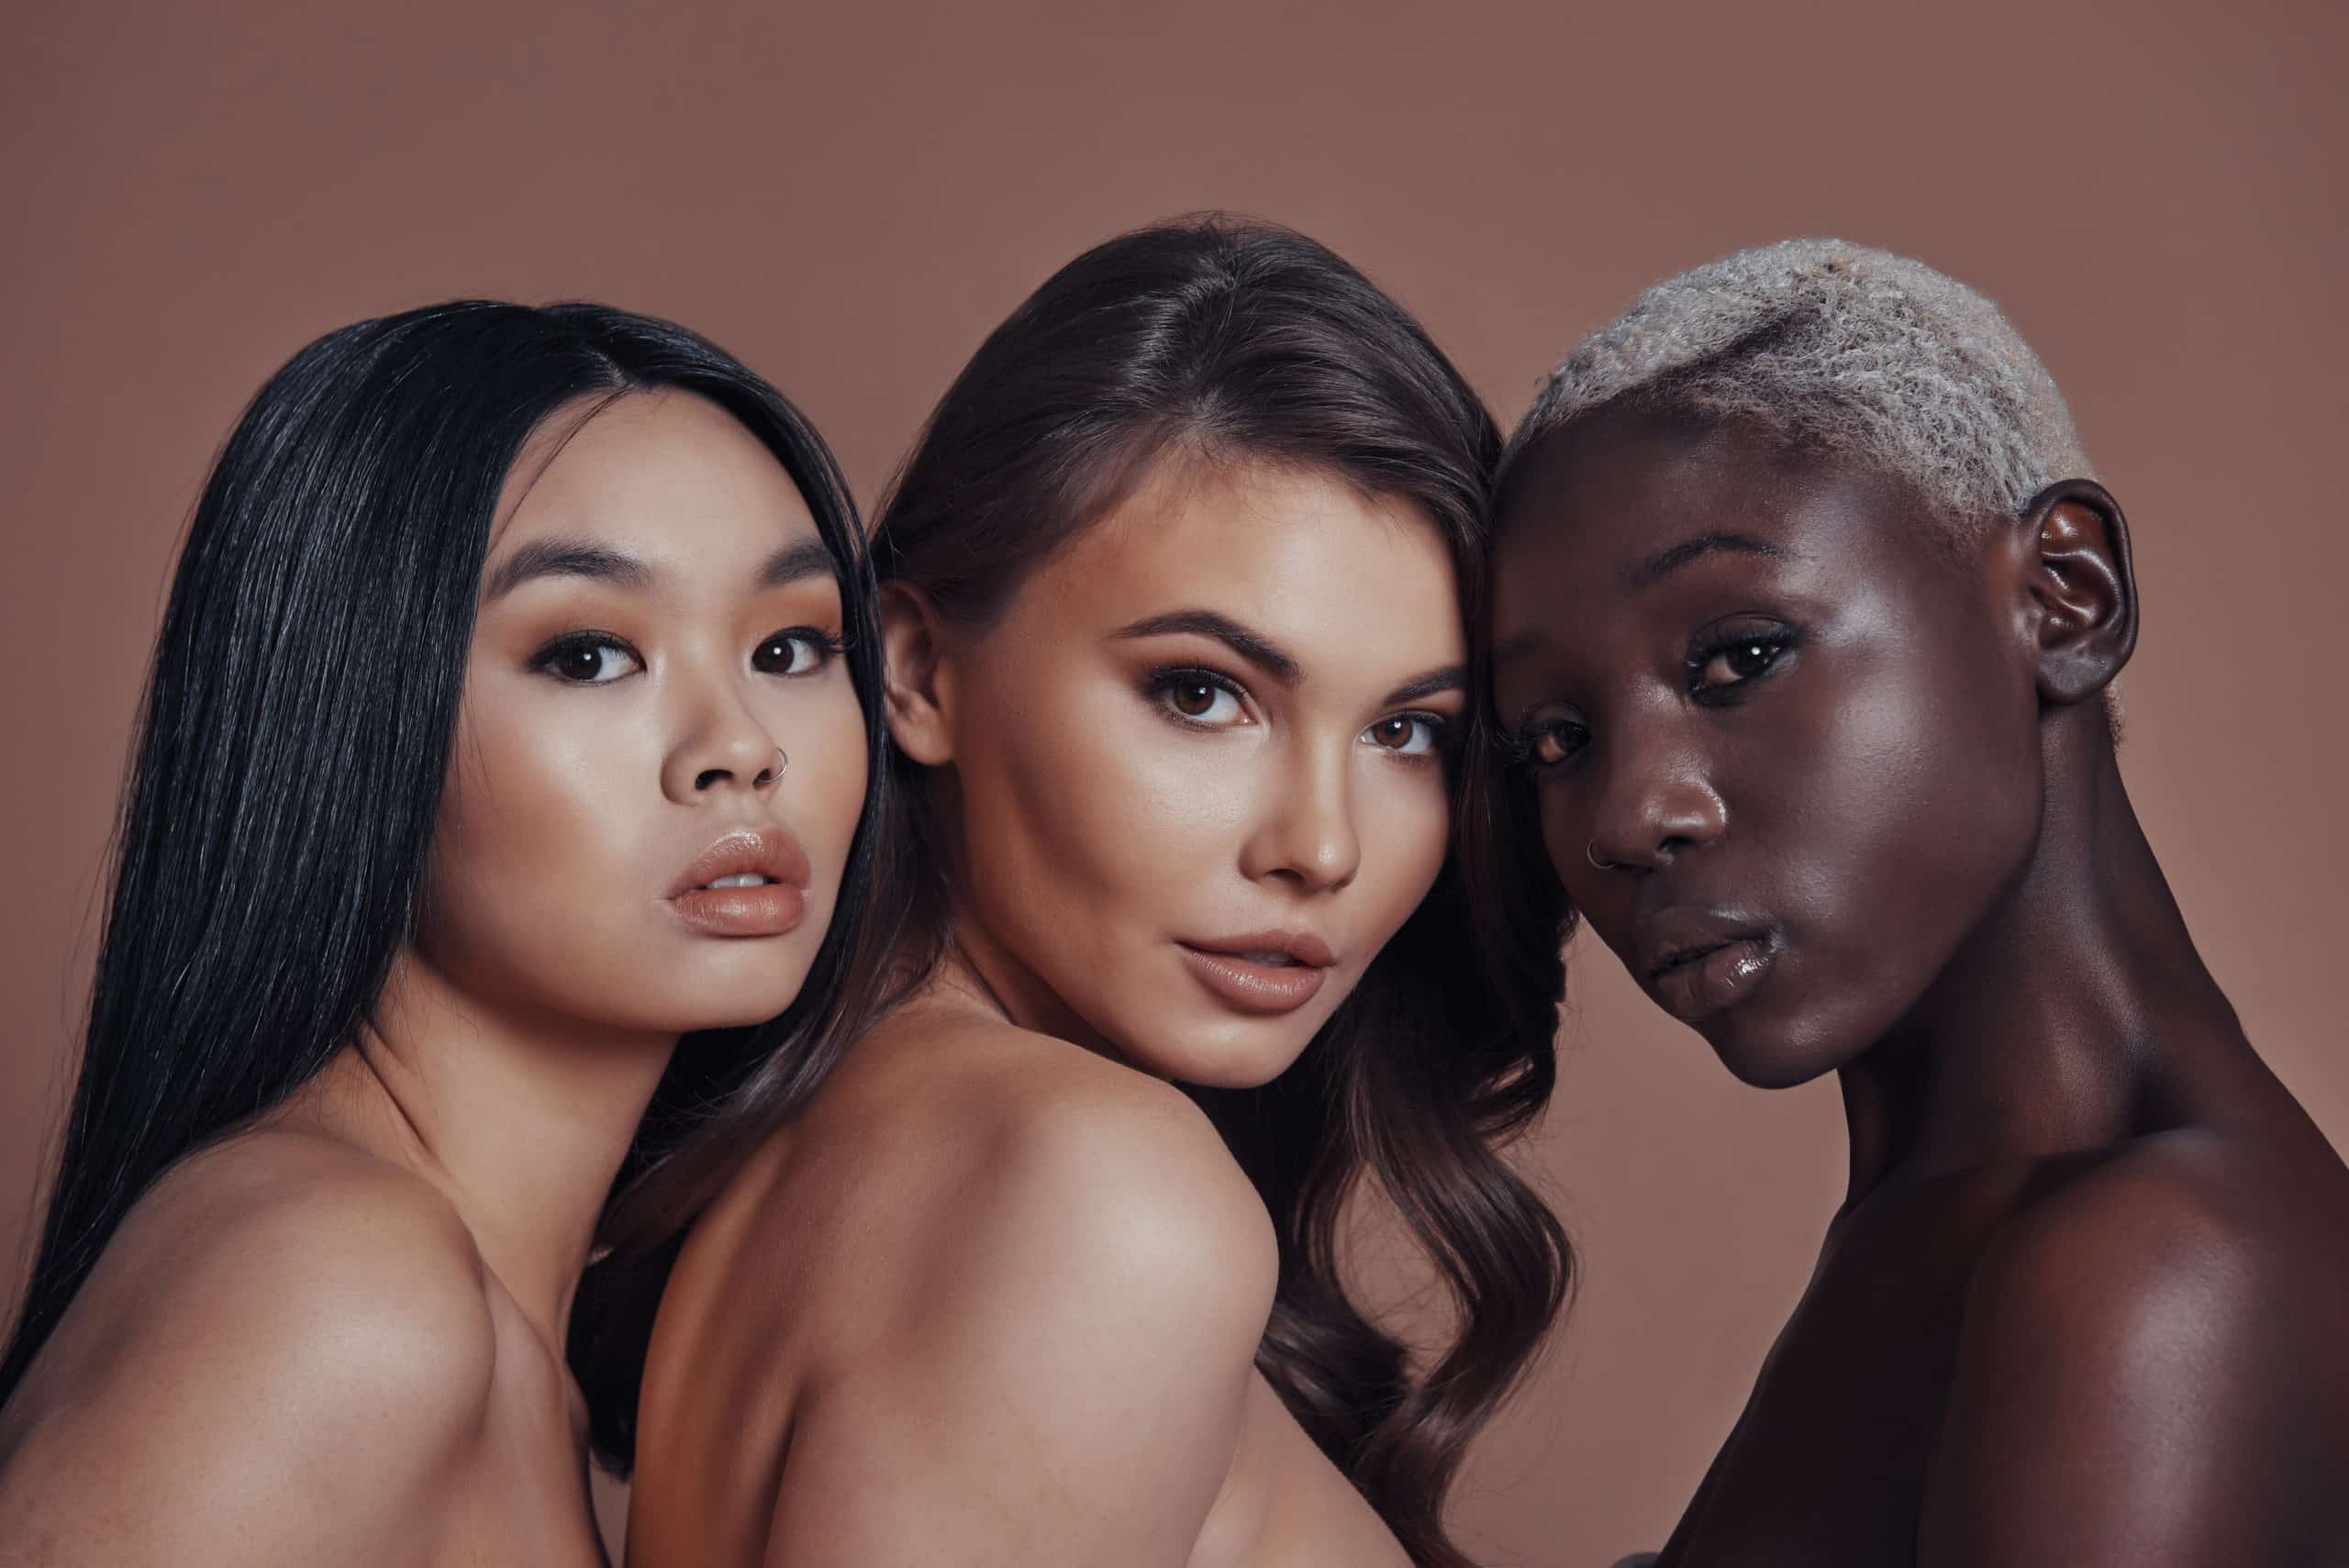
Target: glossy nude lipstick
x,y
751,883
1263,971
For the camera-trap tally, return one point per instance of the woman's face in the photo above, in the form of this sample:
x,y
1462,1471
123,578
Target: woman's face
x,y
1797,733
1200,766
620,843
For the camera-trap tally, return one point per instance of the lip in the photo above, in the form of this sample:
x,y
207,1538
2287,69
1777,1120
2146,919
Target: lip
x,y
1228,968
769,909
1695,962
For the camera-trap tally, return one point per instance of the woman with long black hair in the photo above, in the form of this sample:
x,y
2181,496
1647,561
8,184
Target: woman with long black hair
x,y
512,717
1175,585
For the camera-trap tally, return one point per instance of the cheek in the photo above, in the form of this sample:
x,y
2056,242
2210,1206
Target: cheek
x,y
1085,816
537,865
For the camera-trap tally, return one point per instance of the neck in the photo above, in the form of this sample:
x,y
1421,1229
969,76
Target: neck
x,y
2076,1015
520,1118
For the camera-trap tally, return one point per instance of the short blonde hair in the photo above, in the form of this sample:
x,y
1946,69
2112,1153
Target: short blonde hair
x,y
1840,347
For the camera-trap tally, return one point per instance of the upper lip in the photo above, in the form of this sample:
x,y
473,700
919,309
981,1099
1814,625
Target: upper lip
x,y
772,853
1303,947
1675,937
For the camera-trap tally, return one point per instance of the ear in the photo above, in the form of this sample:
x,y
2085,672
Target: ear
x,y
919,683
2082,586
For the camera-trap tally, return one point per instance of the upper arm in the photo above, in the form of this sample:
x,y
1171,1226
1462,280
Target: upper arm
x,y
1064,1378
295,1380
2123,1392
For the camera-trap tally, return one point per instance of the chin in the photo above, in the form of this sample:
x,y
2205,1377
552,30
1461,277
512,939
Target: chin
x,y
1770,1052
1238,1055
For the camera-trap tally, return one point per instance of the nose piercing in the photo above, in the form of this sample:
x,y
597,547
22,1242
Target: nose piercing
x,y
769,775
1590,853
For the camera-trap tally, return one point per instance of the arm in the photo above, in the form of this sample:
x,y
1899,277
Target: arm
x,y
294,1380
1063,1378
2124,1395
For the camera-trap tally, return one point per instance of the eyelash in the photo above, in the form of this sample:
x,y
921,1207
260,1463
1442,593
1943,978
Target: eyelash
x,y
827,648
1162,684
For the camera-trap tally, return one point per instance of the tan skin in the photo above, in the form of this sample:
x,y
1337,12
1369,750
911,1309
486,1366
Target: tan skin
x,y
335,1338
2083,1303
995,1297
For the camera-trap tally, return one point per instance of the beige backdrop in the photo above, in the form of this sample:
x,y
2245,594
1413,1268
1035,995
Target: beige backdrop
x,y
849,194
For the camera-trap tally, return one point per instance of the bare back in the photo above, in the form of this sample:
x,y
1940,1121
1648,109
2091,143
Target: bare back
x,y
992,1299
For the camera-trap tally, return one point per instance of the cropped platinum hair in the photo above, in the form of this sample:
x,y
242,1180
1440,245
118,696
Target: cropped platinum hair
x,y
1837,346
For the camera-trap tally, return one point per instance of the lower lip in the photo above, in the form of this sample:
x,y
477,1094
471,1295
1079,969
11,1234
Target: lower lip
x,y
1724,976
767,910
1252,987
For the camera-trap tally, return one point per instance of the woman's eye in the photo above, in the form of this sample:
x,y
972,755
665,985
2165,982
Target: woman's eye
x,y
1551,742
799,651
1733,663
1199,698
587,661
1406,734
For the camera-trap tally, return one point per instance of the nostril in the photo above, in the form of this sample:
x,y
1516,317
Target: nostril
x,y
710,776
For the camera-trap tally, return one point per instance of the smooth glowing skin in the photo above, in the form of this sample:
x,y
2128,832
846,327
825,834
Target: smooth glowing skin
x,y
1000,1288
2083,1303
336,1338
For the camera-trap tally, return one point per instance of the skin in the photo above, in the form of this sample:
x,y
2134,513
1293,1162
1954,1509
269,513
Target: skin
x,y
335,1336
2082,1303
1001,1260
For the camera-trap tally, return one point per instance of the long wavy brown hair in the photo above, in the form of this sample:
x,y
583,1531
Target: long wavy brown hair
x,y
1241,341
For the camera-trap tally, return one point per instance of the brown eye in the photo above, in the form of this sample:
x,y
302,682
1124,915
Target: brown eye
x,y
1738,661
588,659
1192,698
798,652
1406,734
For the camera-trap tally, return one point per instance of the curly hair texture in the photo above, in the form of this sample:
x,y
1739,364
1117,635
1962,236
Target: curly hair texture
x,y
1842,348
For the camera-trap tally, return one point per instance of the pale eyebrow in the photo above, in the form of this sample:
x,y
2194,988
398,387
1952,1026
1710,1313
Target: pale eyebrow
x,y
1672,557
1254,647
795,562
567,557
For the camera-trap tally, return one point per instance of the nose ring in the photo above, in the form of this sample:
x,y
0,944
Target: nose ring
x,y
1590,853
769,775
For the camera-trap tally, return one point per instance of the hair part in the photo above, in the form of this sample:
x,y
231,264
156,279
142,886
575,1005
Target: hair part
x,y
1839,348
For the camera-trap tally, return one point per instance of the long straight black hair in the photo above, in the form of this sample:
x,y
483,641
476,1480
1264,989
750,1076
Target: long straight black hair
x,y
297,723
1238,340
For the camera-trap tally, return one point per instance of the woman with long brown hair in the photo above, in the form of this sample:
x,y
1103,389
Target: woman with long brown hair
x,y
1172,956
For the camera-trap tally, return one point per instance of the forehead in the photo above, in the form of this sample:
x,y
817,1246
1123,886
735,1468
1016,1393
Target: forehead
x,y
1598,513
1295,553
668,476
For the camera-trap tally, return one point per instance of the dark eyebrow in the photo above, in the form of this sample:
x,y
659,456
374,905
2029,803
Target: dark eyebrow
x,y
1512,649
566,558
808,558
1257,650
1672,557
1451,678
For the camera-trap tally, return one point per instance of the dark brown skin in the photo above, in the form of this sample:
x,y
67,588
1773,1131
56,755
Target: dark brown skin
x,y
2085,1301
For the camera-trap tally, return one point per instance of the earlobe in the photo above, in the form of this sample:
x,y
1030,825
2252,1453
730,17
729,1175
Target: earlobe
x,y
917,683
2083,587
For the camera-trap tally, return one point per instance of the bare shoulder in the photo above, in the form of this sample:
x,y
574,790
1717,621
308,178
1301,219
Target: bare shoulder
x,y
285,1339
978,1137
2154,1319
1059,1325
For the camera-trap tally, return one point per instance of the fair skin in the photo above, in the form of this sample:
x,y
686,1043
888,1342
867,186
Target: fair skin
x,y
1001,1260
336,1337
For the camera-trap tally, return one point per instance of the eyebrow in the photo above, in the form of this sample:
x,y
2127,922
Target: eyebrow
x,y
1672,557
1259,650
808,558
566,558
1451,678
571,557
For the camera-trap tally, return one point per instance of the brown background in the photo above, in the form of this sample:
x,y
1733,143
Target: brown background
x,y
850,196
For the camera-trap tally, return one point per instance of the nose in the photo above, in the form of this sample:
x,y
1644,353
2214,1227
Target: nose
x,y
1306,834
1656,801
721,748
